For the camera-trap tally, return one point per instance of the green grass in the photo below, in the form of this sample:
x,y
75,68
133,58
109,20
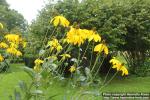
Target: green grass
x,y
9,81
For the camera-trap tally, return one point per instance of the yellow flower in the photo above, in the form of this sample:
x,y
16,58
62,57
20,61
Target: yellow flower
x,y
76,36
72,69
13,51
38,62
60,20
12,38
119,66
64,56
1,58
114,61
101,47
95,38
1,26
18,53
124,70
37,68
59,47
13,45
3,45
54,44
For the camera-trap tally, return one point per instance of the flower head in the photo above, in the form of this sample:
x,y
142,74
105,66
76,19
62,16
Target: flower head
x,y
54,44
18,53
72,69
38,62
124,70
101,47
76,36
13,38
95,37
119,66
3,45
114,61
37,69
60,20
64,56
13,51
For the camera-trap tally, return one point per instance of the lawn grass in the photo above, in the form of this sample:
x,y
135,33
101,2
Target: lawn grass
x,y
9,81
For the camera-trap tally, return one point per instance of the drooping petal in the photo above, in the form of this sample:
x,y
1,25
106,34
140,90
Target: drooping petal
x,y
98,48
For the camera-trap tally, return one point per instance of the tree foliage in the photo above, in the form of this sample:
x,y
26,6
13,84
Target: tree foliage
x,y
11,18
124,24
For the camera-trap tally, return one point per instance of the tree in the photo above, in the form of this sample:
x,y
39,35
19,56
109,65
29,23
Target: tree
x,y
11,18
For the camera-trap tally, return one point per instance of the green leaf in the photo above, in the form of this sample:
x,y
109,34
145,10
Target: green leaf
x,y
37,92
23,86
30,72
50,98
17,95
82,78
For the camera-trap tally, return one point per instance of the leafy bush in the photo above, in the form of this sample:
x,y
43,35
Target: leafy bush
x,y
123,24
11,46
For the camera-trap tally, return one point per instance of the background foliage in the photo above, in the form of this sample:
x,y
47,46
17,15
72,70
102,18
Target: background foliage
x,y
11,19
123,24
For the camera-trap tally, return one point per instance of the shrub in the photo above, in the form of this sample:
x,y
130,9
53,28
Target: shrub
x,y
123,24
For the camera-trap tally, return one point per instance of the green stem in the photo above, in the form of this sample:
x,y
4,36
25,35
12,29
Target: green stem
x,y
99,67
61,61
85,50
95,62
109,81
78,56
45,37
91,55
107,75
53,32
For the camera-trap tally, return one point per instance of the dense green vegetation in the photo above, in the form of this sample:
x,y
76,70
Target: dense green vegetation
x,y
72,49
11,19
124,24
9,82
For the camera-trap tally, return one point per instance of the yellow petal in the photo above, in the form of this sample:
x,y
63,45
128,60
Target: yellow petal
x,y
98,48
106,50
1,26
56,21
